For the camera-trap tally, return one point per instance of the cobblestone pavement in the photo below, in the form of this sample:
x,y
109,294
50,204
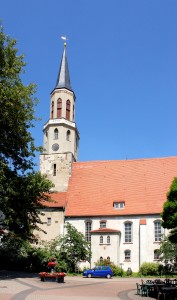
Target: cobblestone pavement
x,y
21,286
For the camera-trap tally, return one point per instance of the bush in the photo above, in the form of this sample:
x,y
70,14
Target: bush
x,y
148,268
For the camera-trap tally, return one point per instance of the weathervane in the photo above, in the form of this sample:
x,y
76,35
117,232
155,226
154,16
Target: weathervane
x,y
65,39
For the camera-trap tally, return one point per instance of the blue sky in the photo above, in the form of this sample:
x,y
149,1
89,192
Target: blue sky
x,y
122,57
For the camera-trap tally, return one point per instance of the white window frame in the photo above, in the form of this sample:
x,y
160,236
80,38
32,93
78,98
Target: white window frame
x,y
127,255
128,232
157,231
49,221
119,205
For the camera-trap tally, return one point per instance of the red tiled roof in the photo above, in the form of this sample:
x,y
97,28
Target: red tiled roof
x,y
142,184
58,200
104,230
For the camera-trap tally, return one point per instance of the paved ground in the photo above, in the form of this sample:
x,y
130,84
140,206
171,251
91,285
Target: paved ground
x,y
25,286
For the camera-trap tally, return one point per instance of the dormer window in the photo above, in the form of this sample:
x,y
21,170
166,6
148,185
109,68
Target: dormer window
x,y
119,204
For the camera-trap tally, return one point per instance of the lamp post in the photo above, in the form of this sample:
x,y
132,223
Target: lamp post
x,y
121,264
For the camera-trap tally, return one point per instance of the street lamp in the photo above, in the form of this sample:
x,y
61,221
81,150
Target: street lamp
x,y
121,264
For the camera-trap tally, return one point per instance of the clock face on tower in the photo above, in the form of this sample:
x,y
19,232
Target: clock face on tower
x,y
55,147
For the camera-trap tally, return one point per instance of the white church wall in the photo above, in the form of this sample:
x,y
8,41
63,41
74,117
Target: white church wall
x,y
142,246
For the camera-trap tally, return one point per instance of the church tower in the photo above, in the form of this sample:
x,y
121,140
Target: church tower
x,y
61,136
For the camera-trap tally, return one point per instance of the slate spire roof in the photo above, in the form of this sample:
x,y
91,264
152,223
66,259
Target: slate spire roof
x,y
63,79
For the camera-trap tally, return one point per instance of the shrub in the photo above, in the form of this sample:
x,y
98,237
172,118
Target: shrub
x,y
148,268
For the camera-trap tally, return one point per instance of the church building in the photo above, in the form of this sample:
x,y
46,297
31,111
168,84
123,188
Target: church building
x,y
116,204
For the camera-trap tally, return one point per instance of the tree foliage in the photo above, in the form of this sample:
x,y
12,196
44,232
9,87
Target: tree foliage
x,y
73,248
20,187
168,253
16,108
169,214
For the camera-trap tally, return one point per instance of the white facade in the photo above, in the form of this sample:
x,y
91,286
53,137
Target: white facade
x,y
141,247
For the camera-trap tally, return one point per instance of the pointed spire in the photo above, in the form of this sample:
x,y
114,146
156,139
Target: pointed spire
x,y
63,80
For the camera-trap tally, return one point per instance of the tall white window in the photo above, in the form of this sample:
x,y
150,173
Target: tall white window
x,y
108,239
88,228
101,239
128,232
157,231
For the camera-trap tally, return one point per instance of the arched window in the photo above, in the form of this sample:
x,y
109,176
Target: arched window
x,y
52,109
127,255
101,259
157,231
59,108
108,239
103,224
156,254
68,107
128,232
55,134
101,239
68,135
108,259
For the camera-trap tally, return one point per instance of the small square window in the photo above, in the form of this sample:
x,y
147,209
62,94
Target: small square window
x,y
127,255
102,224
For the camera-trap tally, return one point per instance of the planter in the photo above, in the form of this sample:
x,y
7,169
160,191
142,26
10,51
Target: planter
x,y
52,277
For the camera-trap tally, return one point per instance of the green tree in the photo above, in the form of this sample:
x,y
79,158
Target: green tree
x,y
22,198
73,248
168,252
21,189
17,104
169,214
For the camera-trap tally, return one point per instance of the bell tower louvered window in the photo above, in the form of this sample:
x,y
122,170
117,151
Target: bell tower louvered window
x,y
68,108
52,110
59,108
